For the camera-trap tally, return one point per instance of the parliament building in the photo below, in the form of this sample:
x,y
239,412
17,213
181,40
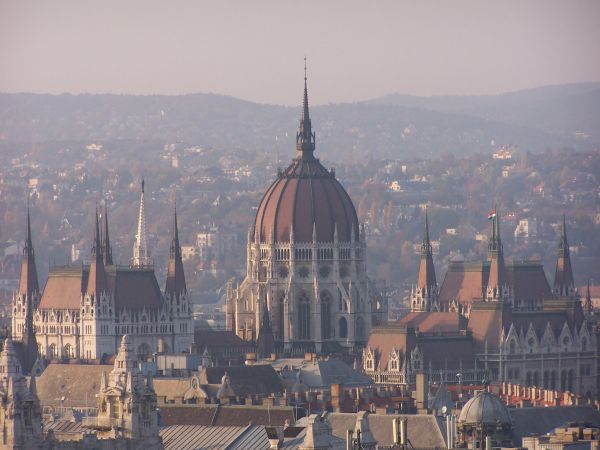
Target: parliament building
x,y
306,286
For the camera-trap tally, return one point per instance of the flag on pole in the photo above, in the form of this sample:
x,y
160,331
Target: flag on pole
x,y
492,215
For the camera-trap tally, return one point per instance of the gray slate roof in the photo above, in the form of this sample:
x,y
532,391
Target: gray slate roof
x,y
527,421
197,437
72,385
323,374
424,431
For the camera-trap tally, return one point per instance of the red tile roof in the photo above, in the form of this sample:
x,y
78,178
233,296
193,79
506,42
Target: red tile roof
x,y
133,288
434,322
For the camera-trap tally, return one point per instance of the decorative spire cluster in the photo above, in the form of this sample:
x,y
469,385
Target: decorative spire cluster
x,y
97,275
305,138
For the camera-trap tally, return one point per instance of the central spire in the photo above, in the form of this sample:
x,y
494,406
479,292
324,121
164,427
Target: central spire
x,y
305,138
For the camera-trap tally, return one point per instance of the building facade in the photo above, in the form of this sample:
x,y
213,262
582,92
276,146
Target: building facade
x,y
500,321
306,262
83,311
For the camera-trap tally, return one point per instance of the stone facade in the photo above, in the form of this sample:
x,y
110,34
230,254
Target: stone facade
x,y
84,311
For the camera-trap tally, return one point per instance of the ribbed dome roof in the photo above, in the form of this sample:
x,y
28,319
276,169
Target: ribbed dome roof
x,y
307,197
484,408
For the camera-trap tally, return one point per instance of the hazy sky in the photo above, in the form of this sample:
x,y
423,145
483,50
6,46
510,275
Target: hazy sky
x,y
255,49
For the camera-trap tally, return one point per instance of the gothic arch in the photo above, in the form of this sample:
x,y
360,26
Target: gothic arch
x,y
360,328
304,316
343,327
326,301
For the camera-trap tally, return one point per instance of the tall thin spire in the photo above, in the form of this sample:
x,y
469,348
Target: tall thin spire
x,y
141,255
29,291
305,138
564,283
28,284
97,275
426,269
496,283
107,249
175,284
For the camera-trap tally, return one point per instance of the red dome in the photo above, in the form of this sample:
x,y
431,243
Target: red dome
x,y
306,194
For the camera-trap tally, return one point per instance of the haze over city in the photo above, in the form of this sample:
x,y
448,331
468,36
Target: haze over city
x,y
207,245
253,50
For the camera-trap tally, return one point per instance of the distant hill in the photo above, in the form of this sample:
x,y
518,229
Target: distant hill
x,y
391,127
571,110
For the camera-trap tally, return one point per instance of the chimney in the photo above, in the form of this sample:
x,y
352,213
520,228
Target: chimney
x,y
421,393
337,397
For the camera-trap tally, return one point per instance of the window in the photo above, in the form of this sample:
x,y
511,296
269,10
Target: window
x,y
304,316
325,315
343,327
280,317
360,328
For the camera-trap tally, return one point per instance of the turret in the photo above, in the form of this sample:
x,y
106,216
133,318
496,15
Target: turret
x,y
564,284
497,288
265,344
424,298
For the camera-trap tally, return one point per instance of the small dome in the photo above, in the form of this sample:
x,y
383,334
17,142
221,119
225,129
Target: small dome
x,y
484,408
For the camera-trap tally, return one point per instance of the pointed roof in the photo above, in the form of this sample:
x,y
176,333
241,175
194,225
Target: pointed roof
x,y
305,138
107,249
97,275
563,277
175,284
28,284
497,276
427,278
265,344
141,255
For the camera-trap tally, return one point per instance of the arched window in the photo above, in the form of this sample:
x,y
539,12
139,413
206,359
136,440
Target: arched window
x,y
143,351
280,317
583,344
536,379
546,380
360,328
67,351
325,315
570,380
512,347
343,327
304,316
52,351
563,380
553,380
